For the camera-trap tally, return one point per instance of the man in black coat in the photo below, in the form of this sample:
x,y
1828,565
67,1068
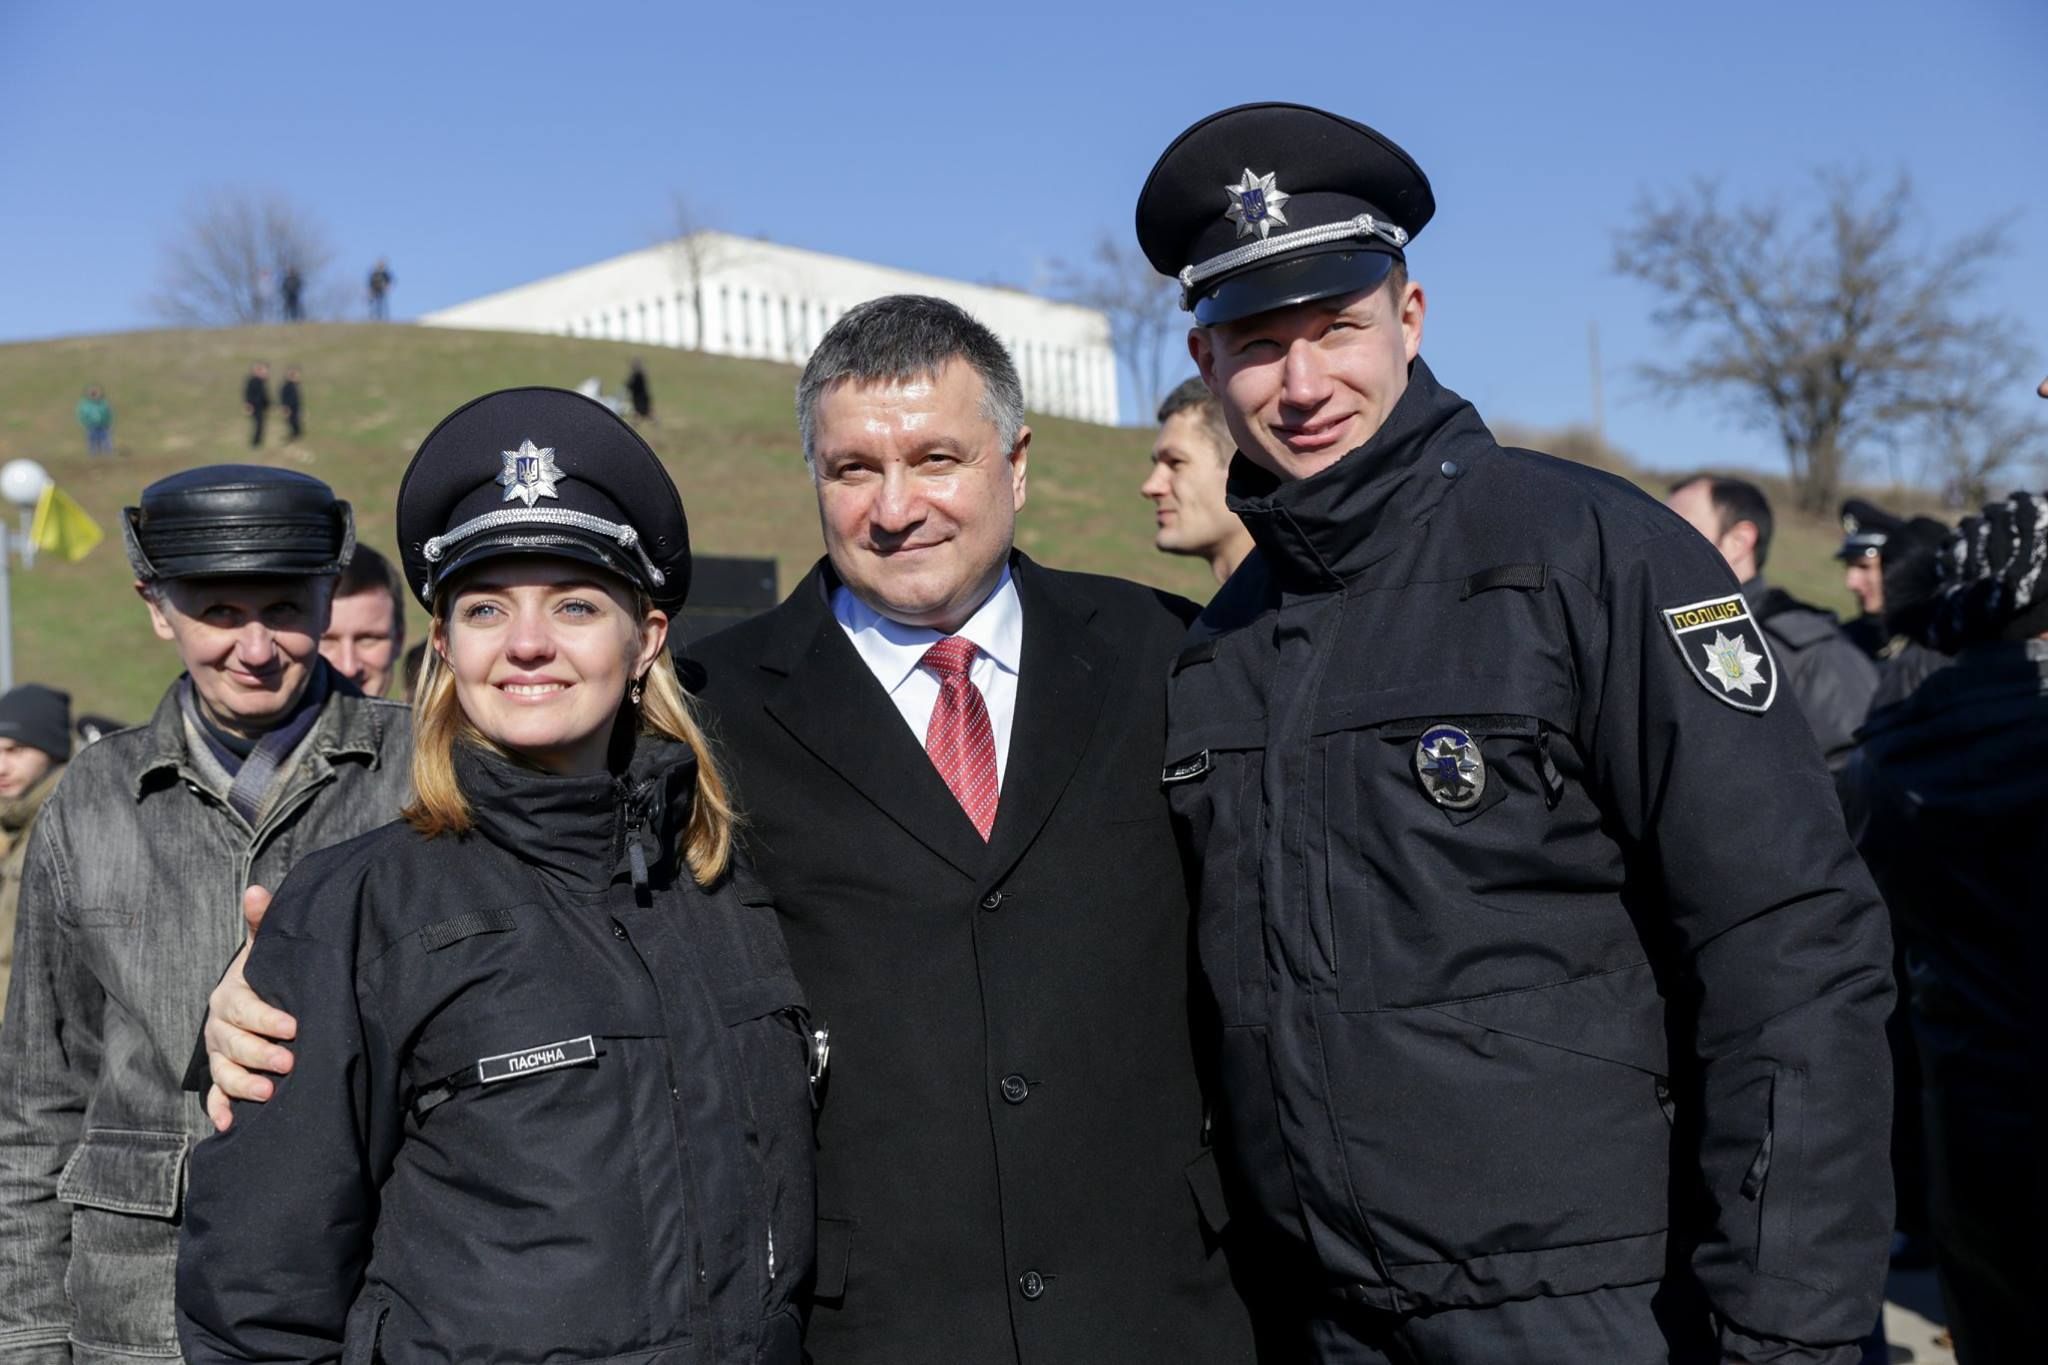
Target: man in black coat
x,y
256,400
1012,1156
1552,992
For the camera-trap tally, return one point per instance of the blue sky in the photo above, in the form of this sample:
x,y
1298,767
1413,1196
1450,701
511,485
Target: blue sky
x,y
480,146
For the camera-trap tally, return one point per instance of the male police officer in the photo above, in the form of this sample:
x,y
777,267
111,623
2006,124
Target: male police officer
x,y
1552,991
257,756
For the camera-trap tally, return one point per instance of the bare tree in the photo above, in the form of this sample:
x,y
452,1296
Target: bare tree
x,y
225,262
1977,442
695,254
1143,308
1845,334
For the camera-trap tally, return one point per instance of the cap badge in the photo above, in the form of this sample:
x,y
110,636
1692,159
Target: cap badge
x,y
1449,764
1255,203
529,473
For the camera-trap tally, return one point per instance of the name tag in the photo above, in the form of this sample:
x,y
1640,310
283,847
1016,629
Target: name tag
x,y
1185,769
547,1057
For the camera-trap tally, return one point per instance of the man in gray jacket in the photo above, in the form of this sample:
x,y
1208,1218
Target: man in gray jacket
x,y
132,894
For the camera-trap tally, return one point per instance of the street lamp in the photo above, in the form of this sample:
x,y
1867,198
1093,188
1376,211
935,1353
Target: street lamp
x,y
21,483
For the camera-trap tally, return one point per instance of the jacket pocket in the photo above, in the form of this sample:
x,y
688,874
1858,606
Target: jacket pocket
x,y
835,1259
125,1188
1463,853
1774,1180
1212,781
365,1330
773,1041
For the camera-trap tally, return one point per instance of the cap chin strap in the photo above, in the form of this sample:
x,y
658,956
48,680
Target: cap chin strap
x,y
1364,225
627,538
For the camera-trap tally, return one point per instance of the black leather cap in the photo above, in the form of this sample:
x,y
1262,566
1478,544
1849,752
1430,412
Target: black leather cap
x,y
541,471
1267,205
238,520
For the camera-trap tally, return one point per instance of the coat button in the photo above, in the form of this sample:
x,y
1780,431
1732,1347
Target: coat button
x,y
1449,469
1016,1089
1031,1284
992,900
618,931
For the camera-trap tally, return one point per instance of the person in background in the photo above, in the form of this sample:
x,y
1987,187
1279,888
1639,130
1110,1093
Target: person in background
x,y
138,874
366,628
292,399
1909,568
1829,677
256,400
35,743
1953,780
638,394
292,287
1865,528
1190,465
96,415
381,280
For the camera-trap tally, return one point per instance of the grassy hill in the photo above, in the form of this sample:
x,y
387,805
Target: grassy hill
x,y
727,433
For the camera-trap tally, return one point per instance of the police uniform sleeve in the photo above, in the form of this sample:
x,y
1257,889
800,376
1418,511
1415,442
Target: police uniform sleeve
x,y
1782,953
282,1206
49,1059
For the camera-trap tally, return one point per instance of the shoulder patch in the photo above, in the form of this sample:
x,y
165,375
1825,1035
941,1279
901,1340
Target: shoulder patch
x,y
1725,650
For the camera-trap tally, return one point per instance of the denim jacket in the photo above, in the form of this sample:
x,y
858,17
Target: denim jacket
x,y
130,909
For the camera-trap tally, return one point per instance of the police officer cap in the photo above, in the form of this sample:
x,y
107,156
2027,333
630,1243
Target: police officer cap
x,y
541,471
238,519
1865,528
1267,205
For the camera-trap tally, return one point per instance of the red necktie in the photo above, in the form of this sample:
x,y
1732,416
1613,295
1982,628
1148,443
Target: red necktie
x,y
959,739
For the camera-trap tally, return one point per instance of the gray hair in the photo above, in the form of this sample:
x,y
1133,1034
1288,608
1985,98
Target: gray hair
x,y
909,336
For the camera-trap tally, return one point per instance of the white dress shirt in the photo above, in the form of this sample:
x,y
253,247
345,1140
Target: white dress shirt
x,y
891,651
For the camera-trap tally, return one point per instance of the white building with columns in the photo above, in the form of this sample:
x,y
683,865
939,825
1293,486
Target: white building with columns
x,y
736,296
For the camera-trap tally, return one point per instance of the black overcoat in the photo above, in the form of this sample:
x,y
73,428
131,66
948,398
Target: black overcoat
x,y
1012,1161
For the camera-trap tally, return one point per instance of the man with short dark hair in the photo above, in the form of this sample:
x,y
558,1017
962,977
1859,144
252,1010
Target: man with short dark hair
x,y
1190,464
1552,992
365,633
134,888
1830,678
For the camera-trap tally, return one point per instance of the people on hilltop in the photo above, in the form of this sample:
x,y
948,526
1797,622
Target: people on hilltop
x,y
96,415
639,394
1829,677
380,282
291,397
35,744
1190,468
292,289
256,400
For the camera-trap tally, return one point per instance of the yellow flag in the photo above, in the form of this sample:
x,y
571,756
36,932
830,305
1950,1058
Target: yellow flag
x,y
63,527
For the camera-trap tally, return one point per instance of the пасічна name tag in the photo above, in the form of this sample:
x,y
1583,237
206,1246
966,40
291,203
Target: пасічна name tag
x,y
547,1057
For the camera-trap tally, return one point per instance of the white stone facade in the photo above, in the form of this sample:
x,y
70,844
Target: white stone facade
x,y
774,302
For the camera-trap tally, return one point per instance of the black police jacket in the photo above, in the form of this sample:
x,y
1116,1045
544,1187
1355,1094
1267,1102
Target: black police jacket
x,y
550,1099
1610,986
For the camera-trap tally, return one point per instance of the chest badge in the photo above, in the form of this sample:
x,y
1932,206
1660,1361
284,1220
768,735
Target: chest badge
x,y
1448,762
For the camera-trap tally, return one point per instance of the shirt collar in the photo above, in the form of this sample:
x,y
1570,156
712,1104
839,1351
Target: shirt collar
x,y
891,649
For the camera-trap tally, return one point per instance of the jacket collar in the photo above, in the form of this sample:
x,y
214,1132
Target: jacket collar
x,y
818,689
350,726
584,831
1318,533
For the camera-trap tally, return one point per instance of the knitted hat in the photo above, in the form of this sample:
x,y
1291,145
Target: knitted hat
x,y
1991,576
39,717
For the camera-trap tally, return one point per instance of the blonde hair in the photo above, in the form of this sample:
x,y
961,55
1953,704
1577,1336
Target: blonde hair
x,y
440,807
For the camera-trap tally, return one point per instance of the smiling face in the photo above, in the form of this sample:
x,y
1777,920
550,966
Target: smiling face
x,y
917,496
542,652
249,643
1306,385
363,637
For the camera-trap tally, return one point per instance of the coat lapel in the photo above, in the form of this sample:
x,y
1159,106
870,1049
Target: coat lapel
x,y
831,704
1061,684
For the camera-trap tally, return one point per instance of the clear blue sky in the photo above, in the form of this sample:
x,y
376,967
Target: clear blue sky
x,y
479,146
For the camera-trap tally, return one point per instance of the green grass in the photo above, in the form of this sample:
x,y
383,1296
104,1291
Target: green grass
x,y
727,434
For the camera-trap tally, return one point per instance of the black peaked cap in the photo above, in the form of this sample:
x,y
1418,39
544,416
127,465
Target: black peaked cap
x,y
1865,528
541,471
238,520
1308,172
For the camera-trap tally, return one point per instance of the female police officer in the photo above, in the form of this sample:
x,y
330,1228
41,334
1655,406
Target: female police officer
x,y
550,1096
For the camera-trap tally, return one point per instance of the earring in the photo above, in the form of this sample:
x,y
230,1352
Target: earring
x,y
634,695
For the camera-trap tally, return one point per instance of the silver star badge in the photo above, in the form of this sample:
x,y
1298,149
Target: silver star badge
x,y
529,473
1255,204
